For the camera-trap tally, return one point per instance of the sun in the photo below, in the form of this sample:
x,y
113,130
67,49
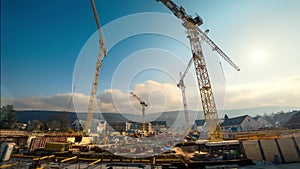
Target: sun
x,y
259,56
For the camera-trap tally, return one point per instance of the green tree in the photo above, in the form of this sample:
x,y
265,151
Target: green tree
x,y
37,125
8,117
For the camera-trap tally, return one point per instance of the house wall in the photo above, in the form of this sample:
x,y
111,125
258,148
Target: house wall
x,y
101,127
233,128
159,128
263,123
249,124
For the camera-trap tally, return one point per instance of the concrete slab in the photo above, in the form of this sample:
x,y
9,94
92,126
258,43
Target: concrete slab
x,y
252,150
297,139
270,150
288,150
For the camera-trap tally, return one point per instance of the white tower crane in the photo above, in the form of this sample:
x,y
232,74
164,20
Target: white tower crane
x,y
144,105
97,73
181,85
206,93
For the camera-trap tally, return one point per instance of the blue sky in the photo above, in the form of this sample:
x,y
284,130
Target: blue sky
x,y
41,42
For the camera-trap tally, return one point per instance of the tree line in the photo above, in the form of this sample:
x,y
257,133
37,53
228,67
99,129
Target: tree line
x,y
9,120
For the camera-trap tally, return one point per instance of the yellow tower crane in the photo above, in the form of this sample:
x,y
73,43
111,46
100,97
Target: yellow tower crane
x,y
144,105
182,86
195,35
97,73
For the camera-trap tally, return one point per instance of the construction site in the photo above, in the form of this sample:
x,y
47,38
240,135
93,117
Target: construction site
x,y
149,144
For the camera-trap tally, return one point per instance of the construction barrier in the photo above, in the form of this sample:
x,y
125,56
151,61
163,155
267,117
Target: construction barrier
x,y
40,142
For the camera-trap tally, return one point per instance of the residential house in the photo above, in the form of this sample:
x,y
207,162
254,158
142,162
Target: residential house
x,y
97,126
239,124
199,125
263,123
132,126
159,125
101,126
76,125
294,121
116,126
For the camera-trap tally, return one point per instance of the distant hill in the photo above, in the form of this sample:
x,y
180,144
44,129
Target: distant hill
x,y
171,117
257,111
45,116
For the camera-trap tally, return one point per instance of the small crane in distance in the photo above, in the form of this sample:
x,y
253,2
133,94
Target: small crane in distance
x,y
97,72
144,105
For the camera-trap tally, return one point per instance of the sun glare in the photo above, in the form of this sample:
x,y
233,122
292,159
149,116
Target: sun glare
x,y
259,56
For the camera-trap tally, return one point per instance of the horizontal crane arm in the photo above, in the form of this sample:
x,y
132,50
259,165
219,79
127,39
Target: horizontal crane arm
x,y
215,47
142,102
185,71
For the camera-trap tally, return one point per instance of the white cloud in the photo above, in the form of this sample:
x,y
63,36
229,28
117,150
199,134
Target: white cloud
x,y
159,96
167,97
282,92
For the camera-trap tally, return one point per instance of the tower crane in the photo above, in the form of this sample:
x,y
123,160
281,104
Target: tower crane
x,y
195,35
144,105
182,86
97,72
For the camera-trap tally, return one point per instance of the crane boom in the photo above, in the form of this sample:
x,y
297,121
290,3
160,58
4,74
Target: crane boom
x,y
144,105
182,76
97,73
215,47
195,35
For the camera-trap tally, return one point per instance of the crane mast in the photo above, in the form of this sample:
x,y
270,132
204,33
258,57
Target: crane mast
x,y
144,105
181,85
195,35
97,72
